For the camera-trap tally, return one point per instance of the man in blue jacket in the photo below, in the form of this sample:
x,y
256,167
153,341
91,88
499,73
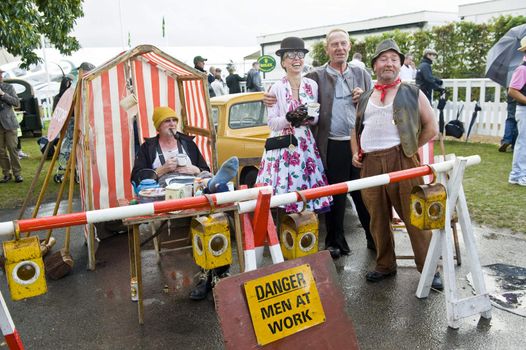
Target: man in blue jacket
x,y
425,79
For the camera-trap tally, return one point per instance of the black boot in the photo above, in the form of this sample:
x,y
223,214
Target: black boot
x,y
203,286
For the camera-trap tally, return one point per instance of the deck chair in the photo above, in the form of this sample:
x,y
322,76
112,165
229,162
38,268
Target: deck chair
x,y
426,154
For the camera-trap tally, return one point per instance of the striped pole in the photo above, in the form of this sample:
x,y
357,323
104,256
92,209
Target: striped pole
x,y
247,195
360,184
11,335
102,215
259,233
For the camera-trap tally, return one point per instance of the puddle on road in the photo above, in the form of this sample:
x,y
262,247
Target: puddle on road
x,y
506,285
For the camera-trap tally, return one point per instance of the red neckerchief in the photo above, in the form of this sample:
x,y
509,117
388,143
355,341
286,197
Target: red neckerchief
x,y
384,87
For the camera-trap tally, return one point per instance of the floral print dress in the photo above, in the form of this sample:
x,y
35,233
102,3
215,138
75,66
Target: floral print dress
x,y
288,170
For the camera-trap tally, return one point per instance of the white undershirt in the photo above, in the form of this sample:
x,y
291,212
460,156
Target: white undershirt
x,y
169,154
379,131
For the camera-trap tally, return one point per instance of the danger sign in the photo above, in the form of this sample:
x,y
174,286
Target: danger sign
x,y
283,303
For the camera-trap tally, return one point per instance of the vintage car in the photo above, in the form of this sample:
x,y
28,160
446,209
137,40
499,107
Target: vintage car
x,y
241,127
31,124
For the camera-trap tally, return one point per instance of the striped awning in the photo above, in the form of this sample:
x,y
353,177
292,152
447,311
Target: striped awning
x,y
111,134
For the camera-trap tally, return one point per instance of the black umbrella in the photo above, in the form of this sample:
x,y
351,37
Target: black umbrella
x,y
473,118
503,57
440,106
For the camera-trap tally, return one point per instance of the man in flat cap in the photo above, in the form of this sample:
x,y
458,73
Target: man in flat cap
x,y
425,79
199,64
393,120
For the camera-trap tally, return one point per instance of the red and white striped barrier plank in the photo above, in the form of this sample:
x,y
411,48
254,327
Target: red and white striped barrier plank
x,y
9,331
360,184
94,216
102,215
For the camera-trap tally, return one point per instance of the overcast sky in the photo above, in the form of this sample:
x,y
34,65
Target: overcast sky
x,y
227,22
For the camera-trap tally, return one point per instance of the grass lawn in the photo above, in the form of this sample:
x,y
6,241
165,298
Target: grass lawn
x,y
13,194
491,200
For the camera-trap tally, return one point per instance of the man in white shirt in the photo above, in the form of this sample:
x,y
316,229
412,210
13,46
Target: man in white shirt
x,y
357,60
408,69
218,85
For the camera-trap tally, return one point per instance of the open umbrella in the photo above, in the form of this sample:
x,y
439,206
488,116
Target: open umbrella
x,y
473,118
503,57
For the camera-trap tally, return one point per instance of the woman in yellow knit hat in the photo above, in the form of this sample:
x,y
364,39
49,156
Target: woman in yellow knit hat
x,y
172,152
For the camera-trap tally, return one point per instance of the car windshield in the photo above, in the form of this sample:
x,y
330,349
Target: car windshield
x,y
247,115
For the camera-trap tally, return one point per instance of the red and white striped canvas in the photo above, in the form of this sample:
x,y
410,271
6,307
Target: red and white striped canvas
x,y
427,154
108,128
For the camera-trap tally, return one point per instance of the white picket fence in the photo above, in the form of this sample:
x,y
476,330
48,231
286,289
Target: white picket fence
x,y
489,121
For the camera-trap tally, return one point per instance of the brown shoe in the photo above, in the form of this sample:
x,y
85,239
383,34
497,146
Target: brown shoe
x,y
377,276
504,147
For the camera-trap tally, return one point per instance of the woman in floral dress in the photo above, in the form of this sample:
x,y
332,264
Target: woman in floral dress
x,y
297,168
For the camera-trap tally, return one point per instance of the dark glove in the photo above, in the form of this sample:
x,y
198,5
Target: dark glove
x,y
298,116
439,81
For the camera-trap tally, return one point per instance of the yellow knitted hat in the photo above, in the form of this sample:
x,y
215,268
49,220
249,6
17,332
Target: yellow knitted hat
x,y
160,114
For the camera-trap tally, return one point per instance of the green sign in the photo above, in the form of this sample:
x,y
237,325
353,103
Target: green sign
x,y
266,63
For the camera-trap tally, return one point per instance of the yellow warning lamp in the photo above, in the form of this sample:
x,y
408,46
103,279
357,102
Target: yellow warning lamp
x,y
24,267
298,233
211,241
428,206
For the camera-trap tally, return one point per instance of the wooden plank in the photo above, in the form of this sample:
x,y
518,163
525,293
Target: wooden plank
x,y
337,332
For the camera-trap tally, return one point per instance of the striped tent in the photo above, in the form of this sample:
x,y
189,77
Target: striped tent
x,y
110,133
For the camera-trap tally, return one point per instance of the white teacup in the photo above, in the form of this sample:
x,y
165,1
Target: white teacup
x,y
313,109
181,160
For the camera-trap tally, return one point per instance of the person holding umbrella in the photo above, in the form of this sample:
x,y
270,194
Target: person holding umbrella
x,y
517,91
502,60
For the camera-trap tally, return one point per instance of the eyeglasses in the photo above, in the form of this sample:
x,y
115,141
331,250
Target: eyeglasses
x,y
294,54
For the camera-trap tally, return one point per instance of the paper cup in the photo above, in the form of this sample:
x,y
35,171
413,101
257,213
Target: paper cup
x,y
313,109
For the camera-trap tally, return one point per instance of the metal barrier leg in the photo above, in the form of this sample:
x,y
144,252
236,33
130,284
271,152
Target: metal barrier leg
x,y
11,335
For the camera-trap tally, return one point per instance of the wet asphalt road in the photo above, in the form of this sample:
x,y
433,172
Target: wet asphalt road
x,y
92,309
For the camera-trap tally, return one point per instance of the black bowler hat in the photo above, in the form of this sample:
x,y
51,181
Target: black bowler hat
x,y
291,43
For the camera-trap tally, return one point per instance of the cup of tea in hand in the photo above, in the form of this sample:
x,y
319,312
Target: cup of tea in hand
x,y
181,160
313,109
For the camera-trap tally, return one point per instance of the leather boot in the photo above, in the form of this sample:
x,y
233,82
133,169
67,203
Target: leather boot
x,y
203,286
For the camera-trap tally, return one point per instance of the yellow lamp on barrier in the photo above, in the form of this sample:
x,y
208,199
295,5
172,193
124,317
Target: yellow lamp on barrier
x,y
428,206
24,267
298,233
211,241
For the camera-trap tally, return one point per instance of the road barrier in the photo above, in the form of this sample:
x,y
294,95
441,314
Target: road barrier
x,y
441,245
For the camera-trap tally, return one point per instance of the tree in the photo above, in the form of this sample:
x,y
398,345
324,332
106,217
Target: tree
x,y
23,22
462,46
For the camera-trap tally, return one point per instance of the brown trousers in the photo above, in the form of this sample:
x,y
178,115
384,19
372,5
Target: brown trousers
x,y
8,152
380,199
